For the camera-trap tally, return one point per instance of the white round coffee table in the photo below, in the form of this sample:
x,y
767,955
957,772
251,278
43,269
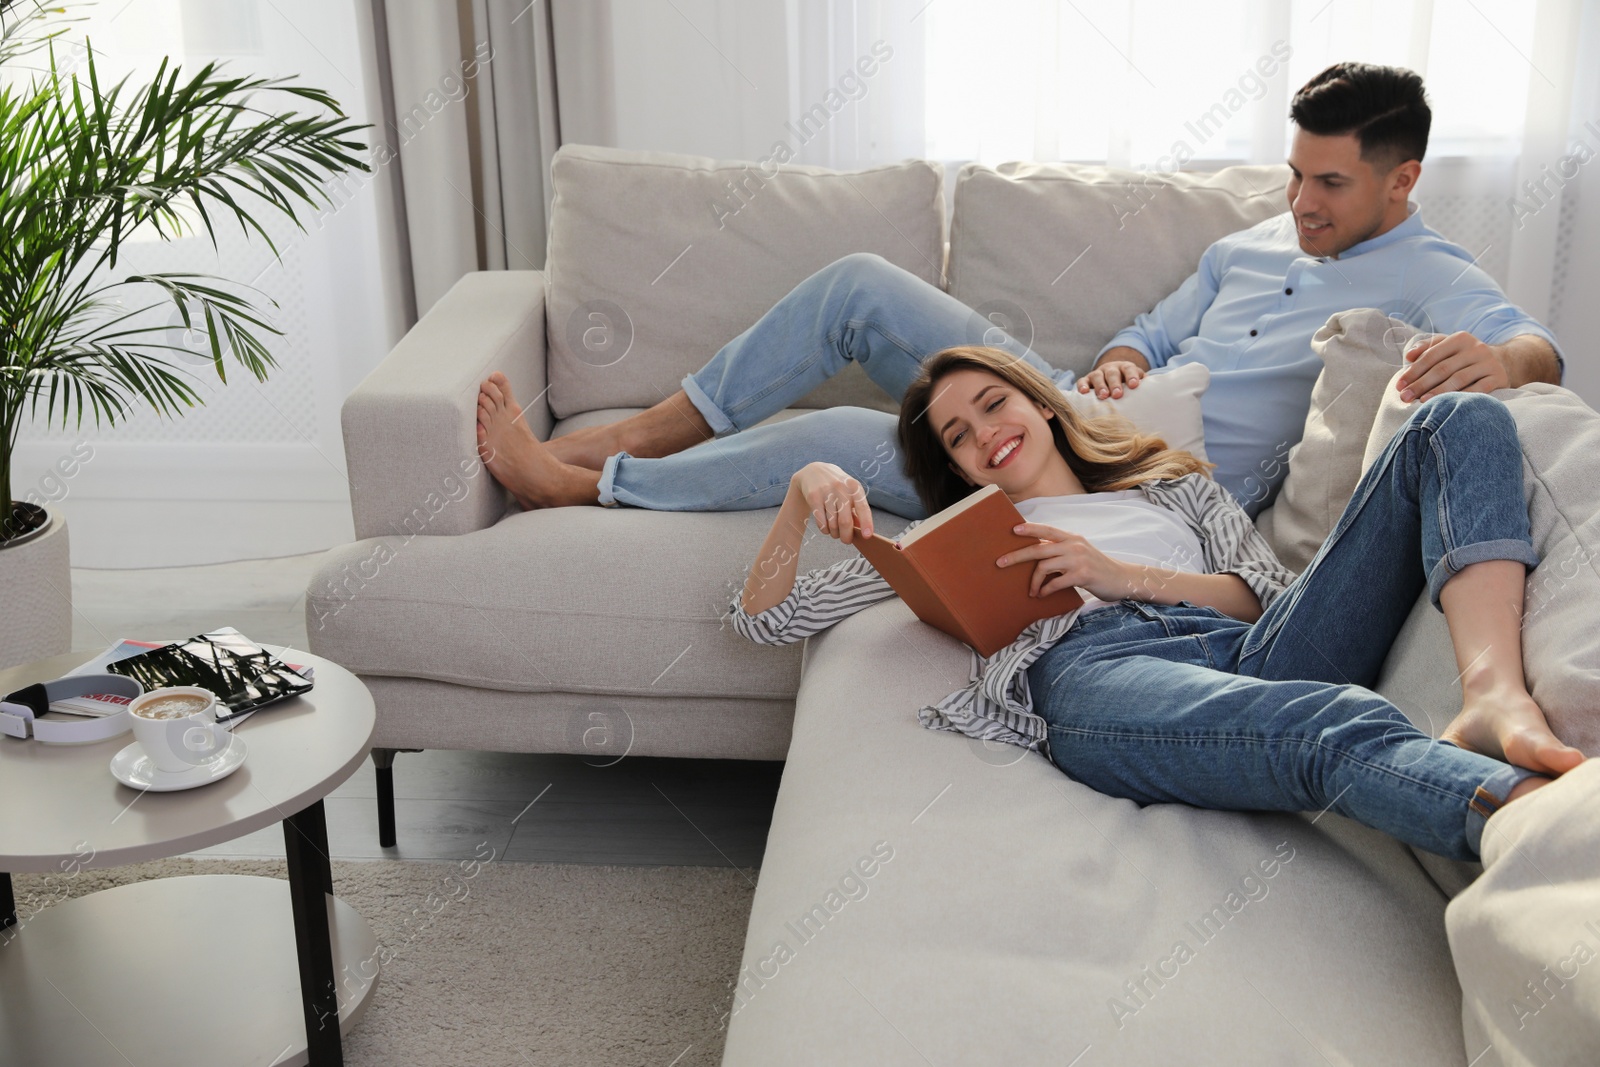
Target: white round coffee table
x,y
196,970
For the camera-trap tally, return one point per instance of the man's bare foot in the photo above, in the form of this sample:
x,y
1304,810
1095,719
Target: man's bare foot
x,y
1511,727
1526,786
519,461
587,447
670,426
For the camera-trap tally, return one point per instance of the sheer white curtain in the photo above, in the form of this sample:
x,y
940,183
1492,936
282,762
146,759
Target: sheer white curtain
x,y
1124,81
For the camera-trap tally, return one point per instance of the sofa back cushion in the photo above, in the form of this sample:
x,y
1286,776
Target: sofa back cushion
x,y
1068,254
657,260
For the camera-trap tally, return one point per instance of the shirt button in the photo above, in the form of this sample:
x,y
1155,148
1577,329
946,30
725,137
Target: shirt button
x,y
1288,292
1252,333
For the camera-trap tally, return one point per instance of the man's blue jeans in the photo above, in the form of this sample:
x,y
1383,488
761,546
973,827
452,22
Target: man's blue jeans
x,y
1182,703
860,308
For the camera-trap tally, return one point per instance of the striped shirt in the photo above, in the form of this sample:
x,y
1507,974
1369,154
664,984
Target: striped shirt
x,y
995,705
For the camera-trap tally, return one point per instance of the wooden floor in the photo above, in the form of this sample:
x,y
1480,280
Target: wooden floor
x,y
551,809
532,808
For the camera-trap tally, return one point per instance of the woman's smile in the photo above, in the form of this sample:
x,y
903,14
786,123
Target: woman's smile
x,y
1008,448
994,432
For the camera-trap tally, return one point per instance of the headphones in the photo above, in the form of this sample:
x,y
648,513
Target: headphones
x,y
20,712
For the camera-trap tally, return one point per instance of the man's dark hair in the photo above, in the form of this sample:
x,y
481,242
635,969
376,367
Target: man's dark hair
x,y
1385,107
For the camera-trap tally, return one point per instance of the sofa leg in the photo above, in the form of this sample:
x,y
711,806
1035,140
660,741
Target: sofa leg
x,y
383,762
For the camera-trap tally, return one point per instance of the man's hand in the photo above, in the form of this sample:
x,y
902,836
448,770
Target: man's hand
x,y
1120,367
1452,363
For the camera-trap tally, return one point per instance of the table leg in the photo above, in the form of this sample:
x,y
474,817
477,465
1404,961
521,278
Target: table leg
x,y
383,765
305,835
8,903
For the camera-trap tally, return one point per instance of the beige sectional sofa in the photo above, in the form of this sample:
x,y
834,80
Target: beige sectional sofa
x,y
923,898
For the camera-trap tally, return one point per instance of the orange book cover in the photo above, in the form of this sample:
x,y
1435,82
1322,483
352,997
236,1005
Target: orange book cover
x,y
945,572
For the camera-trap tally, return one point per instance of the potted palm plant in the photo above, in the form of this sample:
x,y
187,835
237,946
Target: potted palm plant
x,y
82,165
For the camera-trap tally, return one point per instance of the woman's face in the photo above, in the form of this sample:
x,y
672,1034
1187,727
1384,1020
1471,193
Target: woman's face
x,y
981,418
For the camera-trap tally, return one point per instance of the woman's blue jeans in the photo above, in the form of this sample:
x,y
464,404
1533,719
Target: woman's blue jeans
x,y
1182,703
859,308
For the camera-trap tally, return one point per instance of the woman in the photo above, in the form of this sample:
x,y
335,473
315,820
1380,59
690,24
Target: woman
x,y
1198,669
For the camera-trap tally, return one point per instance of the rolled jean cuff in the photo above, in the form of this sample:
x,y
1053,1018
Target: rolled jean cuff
x,y
608,475
1458,559
1489,798
720,424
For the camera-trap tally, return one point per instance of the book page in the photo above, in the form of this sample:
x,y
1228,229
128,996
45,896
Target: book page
x,y
936,521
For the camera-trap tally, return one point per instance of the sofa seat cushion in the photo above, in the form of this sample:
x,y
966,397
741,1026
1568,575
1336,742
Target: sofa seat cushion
x,y
657,260
924,893
1064,255
572,600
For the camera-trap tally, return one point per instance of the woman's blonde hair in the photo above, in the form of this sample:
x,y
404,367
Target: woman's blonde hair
x,y
1106,453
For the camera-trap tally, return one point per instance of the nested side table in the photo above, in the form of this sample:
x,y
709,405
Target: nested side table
x,y
184,971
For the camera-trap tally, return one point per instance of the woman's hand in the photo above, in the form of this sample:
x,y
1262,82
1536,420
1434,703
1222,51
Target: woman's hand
x,y
837,501
1066,560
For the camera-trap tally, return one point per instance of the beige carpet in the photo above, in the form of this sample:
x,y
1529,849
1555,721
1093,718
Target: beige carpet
x,y
538,964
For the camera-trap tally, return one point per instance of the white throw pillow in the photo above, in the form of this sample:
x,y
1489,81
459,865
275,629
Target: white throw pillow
x,y
1166,403
1560,437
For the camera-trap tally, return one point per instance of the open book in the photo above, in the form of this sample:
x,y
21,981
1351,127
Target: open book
x,y
945,572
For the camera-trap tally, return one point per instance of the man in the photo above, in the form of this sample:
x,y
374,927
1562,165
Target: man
x,y
1351,239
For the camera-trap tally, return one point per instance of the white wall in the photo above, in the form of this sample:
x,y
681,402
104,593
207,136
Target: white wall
x,y
706,77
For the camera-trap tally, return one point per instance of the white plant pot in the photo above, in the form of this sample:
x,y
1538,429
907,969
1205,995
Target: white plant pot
x,y
36,589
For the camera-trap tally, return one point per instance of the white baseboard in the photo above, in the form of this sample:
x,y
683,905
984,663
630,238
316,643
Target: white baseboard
x,y
179,533
180,504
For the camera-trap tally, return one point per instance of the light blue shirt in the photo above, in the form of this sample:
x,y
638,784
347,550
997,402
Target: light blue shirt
x,y
1250,310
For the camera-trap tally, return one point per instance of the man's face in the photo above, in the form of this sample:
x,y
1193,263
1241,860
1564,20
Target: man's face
x,y
1337,198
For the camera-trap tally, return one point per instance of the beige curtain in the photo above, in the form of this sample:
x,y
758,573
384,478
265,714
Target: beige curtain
x,y
474,104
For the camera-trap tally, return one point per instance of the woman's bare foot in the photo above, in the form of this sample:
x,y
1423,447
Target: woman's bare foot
x,y
1510,726
519,461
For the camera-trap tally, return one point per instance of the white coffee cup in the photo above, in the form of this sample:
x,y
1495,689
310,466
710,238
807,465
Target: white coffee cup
x,y
177,727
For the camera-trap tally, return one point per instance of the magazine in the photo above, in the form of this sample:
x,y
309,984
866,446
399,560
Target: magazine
x,y
244,675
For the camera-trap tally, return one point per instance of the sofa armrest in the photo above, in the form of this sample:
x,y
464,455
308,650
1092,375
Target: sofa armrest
x,y
410,436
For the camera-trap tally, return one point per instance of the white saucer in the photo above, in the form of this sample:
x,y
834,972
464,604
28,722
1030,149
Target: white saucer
x,y
133,768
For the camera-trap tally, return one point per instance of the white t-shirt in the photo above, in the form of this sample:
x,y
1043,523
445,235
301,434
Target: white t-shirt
x,y
1125,526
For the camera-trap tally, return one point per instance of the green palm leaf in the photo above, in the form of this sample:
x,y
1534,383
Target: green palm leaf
x,y
81,166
